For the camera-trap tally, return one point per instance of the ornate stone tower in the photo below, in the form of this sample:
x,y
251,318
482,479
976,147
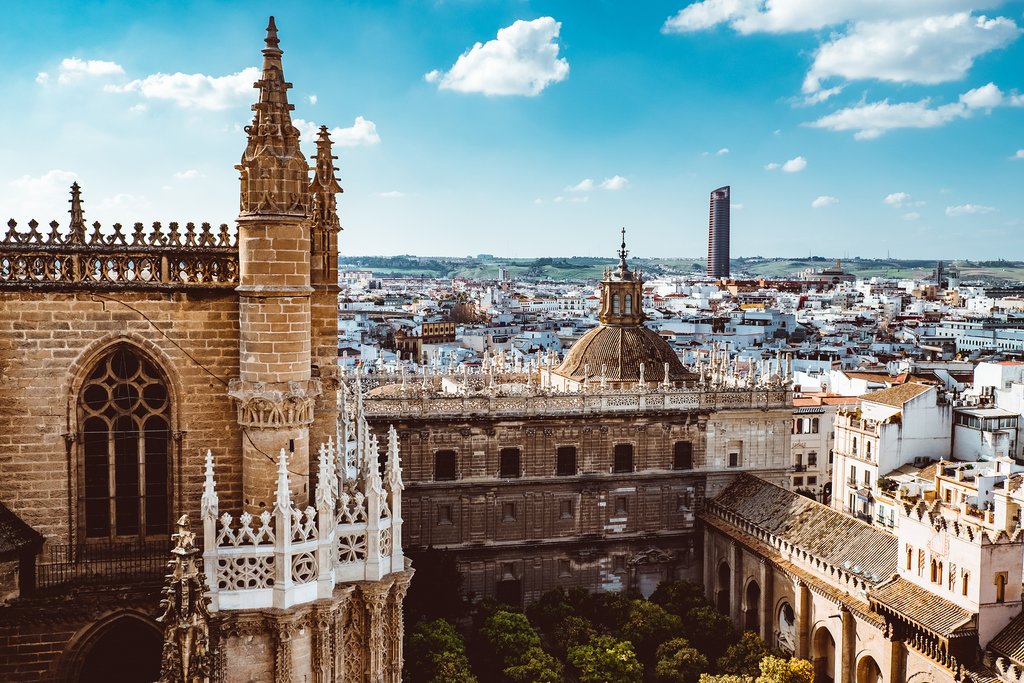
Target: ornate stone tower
x,y
622,293
275,391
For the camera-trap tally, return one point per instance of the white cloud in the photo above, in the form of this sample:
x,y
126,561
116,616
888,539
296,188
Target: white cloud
x,y
918,41
585,185
1018,155
522,60
933,49
821,95
361,132
736,206
138,107
722,152
911,216
122,205
897,199
74,69
195,90
391,194
795,165
873,119
786,16
190,174
771,166
968,209
42,77
616,182
823,201
312,99
43,197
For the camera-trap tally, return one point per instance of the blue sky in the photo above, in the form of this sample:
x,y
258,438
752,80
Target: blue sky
x,y
853,127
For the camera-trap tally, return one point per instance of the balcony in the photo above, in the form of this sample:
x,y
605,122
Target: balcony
x,y
106,562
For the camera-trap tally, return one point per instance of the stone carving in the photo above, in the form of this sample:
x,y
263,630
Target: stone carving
x,y
263,407
186,655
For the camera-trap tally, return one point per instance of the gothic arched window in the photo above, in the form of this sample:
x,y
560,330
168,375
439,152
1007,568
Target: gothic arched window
x,y
124,415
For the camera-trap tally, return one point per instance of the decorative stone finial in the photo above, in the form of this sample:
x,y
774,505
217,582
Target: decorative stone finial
x,y
271,39
77,224
186,657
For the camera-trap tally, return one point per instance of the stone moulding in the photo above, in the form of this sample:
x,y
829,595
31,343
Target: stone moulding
x,y
262,406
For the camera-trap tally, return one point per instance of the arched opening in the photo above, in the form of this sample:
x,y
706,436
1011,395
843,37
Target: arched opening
x,y
868,671
823,655
124,650
752,611
629,304
124,414
723,599
615,304
785,625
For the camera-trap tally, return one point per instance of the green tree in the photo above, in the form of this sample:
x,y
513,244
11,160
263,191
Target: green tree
x,y
779,670
607,611
677,662
744,658
509,635
535,666
725,678
679,597
647,626
451,668
435,649
571,632
606,660
555,605
709,631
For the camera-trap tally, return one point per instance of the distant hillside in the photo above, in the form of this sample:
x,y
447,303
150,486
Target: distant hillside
x,y
582,268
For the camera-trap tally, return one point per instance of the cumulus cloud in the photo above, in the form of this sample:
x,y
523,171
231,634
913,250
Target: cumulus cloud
x,y
43,197
312,99
926,42
899,200
795,165
1018,155
391,194
928,50
194,91
787,16
771,166
585,185
522,60
871,120
911,216
73,69
968,210
361,132
722,152
823,201
616,182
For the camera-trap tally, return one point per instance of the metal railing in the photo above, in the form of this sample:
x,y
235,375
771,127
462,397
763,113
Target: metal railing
x,y
102,562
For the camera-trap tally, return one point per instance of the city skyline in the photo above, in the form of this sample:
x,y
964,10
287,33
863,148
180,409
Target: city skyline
x,y
534,129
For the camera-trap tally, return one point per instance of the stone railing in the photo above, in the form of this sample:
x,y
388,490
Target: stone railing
x,y
290,556
171,257
554,403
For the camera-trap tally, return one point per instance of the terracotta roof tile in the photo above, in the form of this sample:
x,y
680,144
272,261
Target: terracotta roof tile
x,y
621,350
898,395
905,598
1010,641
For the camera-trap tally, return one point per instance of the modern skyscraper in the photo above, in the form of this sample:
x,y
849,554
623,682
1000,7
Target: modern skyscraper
x,y
718,233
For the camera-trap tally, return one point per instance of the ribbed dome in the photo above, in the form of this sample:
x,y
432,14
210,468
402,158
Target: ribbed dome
x,y
621,349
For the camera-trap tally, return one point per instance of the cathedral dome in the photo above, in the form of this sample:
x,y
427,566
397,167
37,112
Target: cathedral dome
x,y
620,350
621,343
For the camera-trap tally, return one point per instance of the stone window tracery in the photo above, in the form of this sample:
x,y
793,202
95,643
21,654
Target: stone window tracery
x,y
125,456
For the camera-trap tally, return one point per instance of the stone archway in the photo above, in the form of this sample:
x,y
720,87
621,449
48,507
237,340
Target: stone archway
x,y
868,671
124,648
785,628
752,608
823,655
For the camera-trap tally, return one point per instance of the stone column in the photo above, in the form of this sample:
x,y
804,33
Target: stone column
x,y
803,620
710,576
894,668
848,646
397,626
736,605
282,652
376,597
766,601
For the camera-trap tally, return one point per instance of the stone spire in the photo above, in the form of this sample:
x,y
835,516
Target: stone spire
x,y
273,170
77,224
325,224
